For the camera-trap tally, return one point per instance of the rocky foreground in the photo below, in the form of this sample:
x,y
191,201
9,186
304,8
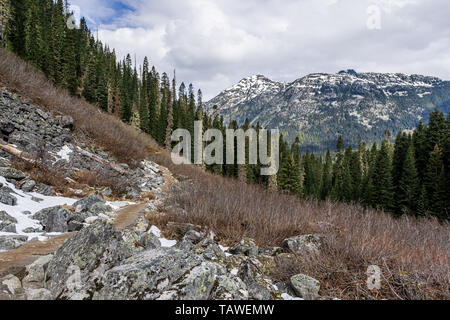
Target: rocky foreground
x,y
100,262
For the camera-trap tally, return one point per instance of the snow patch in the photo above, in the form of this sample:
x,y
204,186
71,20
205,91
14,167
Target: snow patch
x,y
64,153
164,242
286,296
24,204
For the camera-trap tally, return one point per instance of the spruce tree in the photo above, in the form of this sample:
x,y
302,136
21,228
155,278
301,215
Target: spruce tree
x,y
408,187
382,179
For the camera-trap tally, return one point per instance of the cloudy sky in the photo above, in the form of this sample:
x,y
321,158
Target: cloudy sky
x,y
216,43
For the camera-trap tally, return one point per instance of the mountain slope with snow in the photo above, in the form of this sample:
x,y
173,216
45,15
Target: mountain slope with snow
x,y
319,107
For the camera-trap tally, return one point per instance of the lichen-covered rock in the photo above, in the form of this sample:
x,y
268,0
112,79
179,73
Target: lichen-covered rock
x,y
11,173
5,217
35,273
53,219
28,185
43,189
74,225
305,287
246,246
303,244
12,242
93,204
6,226
12,285
230,288
86,255
146,275
257,290
7,223
6,197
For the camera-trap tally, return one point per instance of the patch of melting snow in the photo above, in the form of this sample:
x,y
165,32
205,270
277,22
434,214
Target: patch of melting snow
x,y
225,249
164,242
286,296
24,204
64,153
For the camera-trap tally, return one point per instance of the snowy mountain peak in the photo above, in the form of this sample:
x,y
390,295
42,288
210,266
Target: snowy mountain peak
x,y
321,106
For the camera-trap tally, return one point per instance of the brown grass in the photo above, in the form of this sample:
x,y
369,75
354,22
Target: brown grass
x,y
412,254
100,180
125,142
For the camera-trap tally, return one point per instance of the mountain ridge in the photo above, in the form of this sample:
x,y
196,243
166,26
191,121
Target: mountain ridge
x,y
320,106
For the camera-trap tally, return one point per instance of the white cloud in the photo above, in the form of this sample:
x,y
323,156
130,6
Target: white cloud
x,y
215,43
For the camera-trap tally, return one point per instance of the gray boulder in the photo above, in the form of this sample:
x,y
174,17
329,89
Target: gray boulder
x,y
11,285
28,185
6,226
43,189
53,219
5,217
39,294
35,273
147,275
6,197
93,203
246,246
12,242
303,244
256,290
11,173
305,287
67,122
86,255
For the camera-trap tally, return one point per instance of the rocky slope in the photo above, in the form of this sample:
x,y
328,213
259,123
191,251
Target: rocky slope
x,y
319,107
90,245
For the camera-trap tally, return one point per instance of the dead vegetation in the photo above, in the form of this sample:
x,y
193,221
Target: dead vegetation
x,y
126,143
412,253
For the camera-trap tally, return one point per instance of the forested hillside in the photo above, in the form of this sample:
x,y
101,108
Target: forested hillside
x,y
74,59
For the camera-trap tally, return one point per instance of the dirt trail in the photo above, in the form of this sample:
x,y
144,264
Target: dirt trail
x,y
15,261
128,215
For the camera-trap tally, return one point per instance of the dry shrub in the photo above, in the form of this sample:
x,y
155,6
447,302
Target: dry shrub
x,y
125,142
413,254
100,180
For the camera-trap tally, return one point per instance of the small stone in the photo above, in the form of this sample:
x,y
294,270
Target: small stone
x,y
6,197
44,189
303,244
5,217
305,287
11,173
28,185
12,284
246,246
67,122
53,219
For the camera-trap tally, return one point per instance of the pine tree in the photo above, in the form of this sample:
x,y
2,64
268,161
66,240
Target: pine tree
x,y
433,178
327,179
401,148
408,186
16,26
421,150
288,177
382,179
5,15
